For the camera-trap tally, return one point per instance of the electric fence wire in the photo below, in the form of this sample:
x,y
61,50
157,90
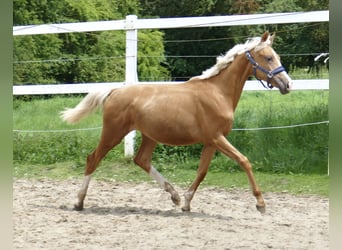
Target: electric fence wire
x,y
234,129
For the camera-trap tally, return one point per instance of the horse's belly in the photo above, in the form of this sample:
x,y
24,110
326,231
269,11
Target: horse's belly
x,y
171,138
169,131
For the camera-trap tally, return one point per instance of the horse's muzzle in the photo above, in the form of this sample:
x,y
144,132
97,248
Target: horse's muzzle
x,y
284,86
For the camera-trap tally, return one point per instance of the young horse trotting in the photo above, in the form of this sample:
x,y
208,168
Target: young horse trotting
x,y
200,110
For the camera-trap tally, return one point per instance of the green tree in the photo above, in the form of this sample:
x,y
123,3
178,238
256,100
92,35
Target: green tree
x,y
151,56
79,57
210,42
27,55
299,42
186,56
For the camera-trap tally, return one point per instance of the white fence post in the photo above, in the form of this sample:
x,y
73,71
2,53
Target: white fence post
x,y
131,70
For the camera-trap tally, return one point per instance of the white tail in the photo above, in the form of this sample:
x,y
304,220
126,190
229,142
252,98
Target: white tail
x,y
85,107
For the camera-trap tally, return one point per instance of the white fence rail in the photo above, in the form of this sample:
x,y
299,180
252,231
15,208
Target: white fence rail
x,y
132,24
89,87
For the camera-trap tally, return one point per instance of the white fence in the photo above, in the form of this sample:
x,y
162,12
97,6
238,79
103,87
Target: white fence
x,y
132,24
89,87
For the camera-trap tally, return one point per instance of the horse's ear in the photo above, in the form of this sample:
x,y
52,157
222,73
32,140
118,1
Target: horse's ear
x,y
272,37
265,36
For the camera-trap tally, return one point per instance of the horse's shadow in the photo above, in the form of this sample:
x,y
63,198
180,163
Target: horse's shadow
x,y
130,210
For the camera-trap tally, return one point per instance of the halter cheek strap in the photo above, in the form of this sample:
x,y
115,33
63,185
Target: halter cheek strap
x,y
268,73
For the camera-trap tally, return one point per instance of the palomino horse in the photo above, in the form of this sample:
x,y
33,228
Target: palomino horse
x,y
200,110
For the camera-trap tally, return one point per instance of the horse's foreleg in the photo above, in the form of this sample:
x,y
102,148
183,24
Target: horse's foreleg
x,y
143,159
228,149
206,156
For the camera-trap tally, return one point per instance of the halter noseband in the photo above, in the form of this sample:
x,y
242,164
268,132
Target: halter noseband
x,y
268,73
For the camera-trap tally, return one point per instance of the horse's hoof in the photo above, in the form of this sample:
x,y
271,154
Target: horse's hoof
x,y
261,209
174,195
175,199
78,207
186,209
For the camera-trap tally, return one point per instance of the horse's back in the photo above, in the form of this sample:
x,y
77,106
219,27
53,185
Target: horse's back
x,y
149,97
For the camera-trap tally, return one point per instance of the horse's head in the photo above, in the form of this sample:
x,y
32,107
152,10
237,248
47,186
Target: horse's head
x,y
267,66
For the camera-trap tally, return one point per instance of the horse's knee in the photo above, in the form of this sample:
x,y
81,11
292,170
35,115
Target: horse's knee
x,y
245,164
243,160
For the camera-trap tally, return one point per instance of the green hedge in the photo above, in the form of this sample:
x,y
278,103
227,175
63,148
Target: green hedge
x,y
287,150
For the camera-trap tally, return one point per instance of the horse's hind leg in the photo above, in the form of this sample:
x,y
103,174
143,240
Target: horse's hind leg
x,y
206,156
143,159
109,139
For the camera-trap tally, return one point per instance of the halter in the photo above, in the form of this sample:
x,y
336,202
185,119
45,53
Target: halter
x,y
268,73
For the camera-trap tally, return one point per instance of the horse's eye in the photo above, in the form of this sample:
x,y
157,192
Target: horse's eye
x,y
269,58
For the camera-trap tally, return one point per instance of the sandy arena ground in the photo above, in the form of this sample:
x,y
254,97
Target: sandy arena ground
x,y
142,216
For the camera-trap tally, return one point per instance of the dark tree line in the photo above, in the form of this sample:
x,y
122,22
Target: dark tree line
x,y
294,41
164,54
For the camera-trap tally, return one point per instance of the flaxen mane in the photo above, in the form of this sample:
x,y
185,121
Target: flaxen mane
x,y
223,61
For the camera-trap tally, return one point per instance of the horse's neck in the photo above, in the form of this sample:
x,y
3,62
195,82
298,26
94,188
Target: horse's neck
x,y
232,79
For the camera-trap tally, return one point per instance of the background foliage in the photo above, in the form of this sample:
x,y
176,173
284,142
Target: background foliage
x,y
168,54
80,57
295,42
292,150
172,53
